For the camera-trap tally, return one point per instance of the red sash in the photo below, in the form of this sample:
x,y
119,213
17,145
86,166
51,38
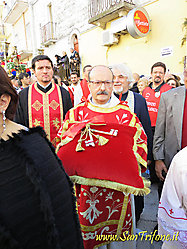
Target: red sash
x,y
85,89
46,110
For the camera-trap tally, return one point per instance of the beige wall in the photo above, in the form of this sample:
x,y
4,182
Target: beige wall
x,y
140,54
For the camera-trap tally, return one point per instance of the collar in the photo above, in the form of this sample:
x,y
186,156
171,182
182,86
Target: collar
x,y
44,88
123,97
113,101
157,89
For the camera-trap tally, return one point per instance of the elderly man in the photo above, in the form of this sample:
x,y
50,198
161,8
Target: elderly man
x,y
100,166
137,104
43,103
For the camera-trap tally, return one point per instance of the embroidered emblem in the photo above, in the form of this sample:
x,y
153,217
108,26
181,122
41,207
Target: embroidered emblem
x,y
157,94
123,119
56,123
37,105
92,212
171,211
36,122
54,105
81,116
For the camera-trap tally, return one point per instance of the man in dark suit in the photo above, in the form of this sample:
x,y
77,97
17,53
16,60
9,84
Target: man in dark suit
x,y
171,128
137,104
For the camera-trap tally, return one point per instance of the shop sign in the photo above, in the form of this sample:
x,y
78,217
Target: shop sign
x,y
138,22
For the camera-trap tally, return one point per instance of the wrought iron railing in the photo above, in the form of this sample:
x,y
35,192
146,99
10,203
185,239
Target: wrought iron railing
x,y
48,32
97,7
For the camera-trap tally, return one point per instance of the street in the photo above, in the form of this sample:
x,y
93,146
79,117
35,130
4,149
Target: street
x,y
148,220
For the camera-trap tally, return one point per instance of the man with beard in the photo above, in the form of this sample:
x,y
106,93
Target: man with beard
x,y
137,104
152,94
43,103
74,84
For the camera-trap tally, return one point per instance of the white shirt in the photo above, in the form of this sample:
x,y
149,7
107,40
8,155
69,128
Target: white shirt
x,y
172,211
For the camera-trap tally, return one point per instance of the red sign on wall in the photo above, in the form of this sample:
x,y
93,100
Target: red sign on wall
x,y
138,22
141,22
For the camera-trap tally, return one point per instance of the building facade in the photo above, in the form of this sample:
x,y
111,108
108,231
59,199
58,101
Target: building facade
x,y
99,30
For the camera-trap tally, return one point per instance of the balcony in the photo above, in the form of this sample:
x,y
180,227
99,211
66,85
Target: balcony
x,y
103,11
48,34
24,53
14,10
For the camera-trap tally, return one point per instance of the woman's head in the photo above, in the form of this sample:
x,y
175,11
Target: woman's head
x,y
7,93
173,82
142,84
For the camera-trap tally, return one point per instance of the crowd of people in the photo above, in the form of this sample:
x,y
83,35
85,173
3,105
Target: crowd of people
x,y
65,65
100,133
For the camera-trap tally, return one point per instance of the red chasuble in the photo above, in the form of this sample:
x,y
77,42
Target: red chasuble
x,y
105,168
46,110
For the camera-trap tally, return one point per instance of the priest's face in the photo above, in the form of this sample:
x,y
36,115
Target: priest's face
x,y
43,72
101,84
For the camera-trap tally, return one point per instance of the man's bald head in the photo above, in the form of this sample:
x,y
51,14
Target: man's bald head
x,y
102,72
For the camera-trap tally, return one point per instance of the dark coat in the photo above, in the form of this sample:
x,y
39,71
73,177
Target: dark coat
x,y
37,204
141,110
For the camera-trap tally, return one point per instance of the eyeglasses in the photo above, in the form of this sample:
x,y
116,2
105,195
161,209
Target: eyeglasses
x,y
100,83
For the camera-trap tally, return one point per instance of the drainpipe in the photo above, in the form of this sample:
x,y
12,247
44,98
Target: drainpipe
x,y
34,44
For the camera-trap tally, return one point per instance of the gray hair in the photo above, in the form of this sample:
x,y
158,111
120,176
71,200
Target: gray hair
x,y
124,70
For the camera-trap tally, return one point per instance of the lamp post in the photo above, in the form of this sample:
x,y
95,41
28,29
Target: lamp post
x,y
6,46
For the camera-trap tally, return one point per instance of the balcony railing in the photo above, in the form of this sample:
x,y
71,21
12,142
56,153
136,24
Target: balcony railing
x,y
48,34
102,11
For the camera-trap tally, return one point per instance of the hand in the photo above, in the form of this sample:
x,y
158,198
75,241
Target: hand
x,y
159,167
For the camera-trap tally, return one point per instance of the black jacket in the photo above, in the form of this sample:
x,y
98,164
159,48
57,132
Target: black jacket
x,y
37,205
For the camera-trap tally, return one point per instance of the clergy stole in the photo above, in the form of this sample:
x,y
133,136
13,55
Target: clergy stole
x,y
46,110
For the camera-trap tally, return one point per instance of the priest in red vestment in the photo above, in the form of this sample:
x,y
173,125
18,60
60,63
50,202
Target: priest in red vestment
x,y
43,103
103,148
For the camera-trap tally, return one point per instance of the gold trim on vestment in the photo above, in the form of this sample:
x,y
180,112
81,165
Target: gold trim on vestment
x,y
107,110
122,216
104,223
101,109
46,114
61,104
111,185
42,93
71,115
